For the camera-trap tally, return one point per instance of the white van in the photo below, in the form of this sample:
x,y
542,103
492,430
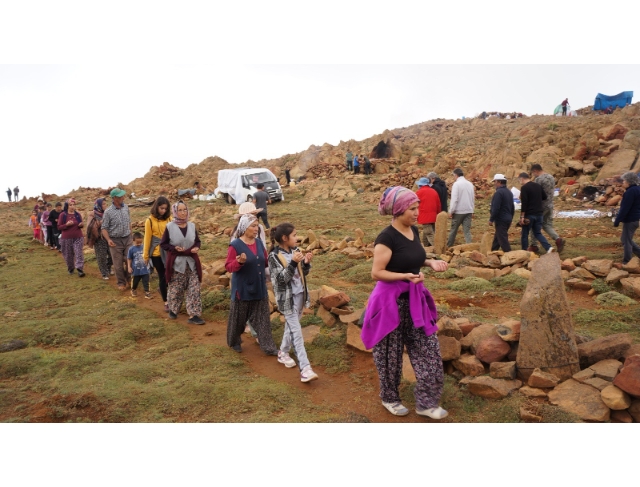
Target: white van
x,y
239,185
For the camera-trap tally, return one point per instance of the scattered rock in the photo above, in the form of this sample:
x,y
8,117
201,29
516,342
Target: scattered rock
x,y
629,379
621,417
612,346
327,318
514,257
492,349
309,333
449,347
449,327
478,333
615,275
607,369
526,415
529,391
584,375
542,379
634,410
502,370
12,345
353,338
469,365
580,399
481,272
615,398
631,285
599,267
334,300
581,273
353,317
597,382
491,388
509,331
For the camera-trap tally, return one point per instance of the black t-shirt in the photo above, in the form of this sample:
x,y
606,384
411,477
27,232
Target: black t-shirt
x,y
53,216
406,255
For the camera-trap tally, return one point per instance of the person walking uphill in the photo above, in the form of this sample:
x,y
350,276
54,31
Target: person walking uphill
x,y
462,207
289,268
116,230
429,209
548,184
629,215
154,228
247,260
401,311
71,238
183,269
440,187
531,197
262,199
501,213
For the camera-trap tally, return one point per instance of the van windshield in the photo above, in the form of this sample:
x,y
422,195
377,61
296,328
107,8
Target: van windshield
x,y
253,179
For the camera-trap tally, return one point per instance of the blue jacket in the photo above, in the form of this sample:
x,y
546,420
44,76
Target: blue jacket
x,y
502,207
630,206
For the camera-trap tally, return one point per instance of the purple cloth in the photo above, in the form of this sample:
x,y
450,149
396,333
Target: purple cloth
x,y
382,315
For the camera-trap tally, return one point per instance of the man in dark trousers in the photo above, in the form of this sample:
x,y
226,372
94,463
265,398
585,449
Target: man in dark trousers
x,y
501,216
440,187
548,184
629,215
564,107
531,196
16,190
261,199
9,194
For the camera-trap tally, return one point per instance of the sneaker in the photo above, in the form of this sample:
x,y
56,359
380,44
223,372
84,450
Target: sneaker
x,y
560,244
396,408
196,320
284,358
172,315
533,248
112,272
134,293
71,271
307,375
433,413
81,273
147,295
106,278
550,250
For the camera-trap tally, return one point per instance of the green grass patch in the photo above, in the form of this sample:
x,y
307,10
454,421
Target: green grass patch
x,y
613,298
471,284
510,281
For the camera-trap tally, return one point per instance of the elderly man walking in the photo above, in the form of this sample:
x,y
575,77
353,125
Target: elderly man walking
x,y
502,210
428,210
548,184
116,229
629,215
461,207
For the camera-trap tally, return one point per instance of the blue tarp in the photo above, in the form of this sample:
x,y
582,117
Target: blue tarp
x,y
620,100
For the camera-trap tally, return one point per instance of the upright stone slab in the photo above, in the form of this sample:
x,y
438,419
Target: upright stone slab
x,y
486,242
441,235
547,339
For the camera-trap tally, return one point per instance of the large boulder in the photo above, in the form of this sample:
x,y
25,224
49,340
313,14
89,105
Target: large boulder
x,y
617,163
615,398
514,257
629,378
502,370
449,347
449,327
580,399
491,388
542,379
492,349
469,365
476,335
609,347
599,267
546,330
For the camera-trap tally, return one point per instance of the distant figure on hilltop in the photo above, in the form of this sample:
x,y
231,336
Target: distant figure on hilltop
x,y
564,107
9,194
16,190
349,161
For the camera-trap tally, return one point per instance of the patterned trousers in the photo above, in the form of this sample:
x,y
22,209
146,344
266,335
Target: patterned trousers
x,y
181,284
72,252
424,354
101,248
257,312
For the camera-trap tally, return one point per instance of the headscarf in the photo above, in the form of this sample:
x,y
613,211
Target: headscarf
x,y
174,213
97,208
67,203
396,200
243,224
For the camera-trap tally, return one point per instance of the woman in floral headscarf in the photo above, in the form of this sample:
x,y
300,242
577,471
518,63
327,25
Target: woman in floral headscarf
x,y
95,238
247,260
71,239
401,312
183,270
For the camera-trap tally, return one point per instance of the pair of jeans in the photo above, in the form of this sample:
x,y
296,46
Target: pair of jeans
x,y
458,219
265,220
535,225
547,226
629,246
293,332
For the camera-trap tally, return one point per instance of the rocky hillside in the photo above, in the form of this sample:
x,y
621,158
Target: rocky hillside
x,y
585,149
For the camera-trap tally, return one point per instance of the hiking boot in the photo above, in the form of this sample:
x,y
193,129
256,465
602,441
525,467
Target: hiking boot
x,y
433,413
147,295
307,375
395,408
560,244
284,358
81,273
196,320
533,248
134,293
172,315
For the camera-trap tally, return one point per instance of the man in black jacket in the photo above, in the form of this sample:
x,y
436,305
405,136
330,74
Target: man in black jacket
x,y
502,210
531,197
440,187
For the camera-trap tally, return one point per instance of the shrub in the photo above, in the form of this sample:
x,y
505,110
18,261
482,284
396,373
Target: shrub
x,y
613,298
471,284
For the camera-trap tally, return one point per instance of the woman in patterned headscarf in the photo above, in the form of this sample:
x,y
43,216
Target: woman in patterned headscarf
x,y
401,311
183,270
95,238
247,260
71,239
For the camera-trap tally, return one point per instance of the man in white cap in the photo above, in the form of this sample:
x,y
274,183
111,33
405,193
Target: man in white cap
x,y
501,213
116,230
428,210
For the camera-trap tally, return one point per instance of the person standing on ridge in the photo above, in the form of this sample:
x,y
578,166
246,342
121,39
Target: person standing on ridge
x,y
501,215
548,184
349,161
564,107
462,207
9,194
16,190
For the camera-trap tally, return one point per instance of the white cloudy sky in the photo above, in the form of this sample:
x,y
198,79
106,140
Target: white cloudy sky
x,y
71,119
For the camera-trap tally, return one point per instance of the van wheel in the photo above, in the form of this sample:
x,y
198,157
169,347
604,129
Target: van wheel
x,y
230,199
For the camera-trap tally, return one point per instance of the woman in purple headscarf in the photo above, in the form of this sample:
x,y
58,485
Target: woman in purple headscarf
x,y
95,238
401,312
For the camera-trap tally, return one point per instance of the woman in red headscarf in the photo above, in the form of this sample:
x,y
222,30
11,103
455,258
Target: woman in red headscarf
x,y
71,238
